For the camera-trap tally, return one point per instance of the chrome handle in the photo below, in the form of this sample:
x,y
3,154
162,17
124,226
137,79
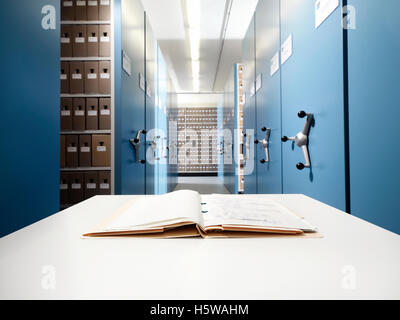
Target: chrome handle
x,y
137,144
265,144
301,140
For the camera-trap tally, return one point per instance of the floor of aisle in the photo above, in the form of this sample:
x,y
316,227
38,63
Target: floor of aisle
x,y
203,185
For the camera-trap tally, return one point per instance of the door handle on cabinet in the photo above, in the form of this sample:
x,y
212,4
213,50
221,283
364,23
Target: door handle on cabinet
x,y
137,144
265,144
301,140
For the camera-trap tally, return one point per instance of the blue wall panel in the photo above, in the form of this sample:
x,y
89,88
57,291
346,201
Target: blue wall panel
x,y
374,111
30,120
312,80
269,174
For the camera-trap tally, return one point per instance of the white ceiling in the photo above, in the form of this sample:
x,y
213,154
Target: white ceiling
x,y
168,19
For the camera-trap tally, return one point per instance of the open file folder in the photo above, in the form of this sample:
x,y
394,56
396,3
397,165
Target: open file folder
x,y
188,214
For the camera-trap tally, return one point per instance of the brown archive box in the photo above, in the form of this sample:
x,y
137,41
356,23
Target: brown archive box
x,y
64,188
85,151
92,114
66,41
64,77
77,72
78,117
105,40
67,10
104,114
101,150
79,45
93,10
91,184
92,40
71,157
104,183
66,114
91,77
62,151
104,10
76,187
80,10
105,77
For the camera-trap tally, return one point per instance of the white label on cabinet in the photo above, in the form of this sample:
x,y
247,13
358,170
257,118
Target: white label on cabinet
x,y
67,3
63,77
81,3
76,186
79,113
90,186
85,149
105,39
275,64
104,186
259,82
65,40
323,9
104,2
287,49
63,187
76,76
92,3
92,113
105,76
101,148
72,149
126,63
92,76
65,113
79,40
141,82
105,112
92,39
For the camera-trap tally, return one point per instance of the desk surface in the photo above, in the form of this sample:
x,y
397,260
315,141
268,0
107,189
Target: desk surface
x,y
49,260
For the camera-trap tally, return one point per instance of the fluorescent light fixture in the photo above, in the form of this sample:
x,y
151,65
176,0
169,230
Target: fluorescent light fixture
x,y
193,15
196,68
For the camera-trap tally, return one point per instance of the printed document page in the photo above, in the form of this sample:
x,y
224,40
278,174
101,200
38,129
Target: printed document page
x,y
250,211
158,211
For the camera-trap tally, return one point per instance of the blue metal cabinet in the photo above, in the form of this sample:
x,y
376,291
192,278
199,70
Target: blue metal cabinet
x,y
249,110
130,97
30,118
374,111
312,80
269,174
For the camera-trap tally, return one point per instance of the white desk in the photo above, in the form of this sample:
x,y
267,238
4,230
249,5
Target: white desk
x,y
270,268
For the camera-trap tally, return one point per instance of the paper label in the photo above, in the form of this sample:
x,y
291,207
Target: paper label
x,y
104,2
101,148
72,149
65,40
81,3
104,186
76,186
63,77
76,76
287,49
92,76
258,82
92,3
105,39
274,64
67,3
92,113
323,9
79,113
105,76
79,40
65,113
126,63
90,186
63,187
105,112
85,149
92,39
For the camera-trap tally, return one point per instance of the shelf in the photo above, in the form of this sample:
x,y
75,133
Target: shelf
x,y
84,95
87,132
85,59
86,169
86,22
